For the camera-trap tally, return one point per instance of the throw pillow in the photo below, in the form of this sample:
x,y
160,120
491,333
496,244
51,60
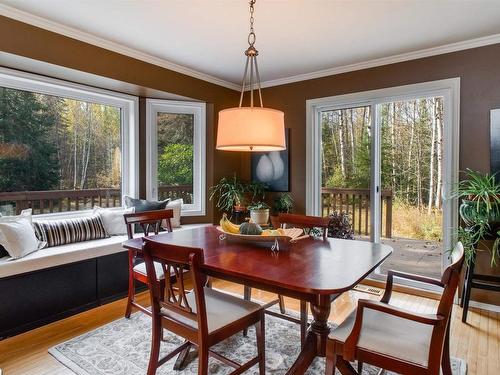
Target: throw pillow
x,y
113,219
142,205
61,232
176,207
17,235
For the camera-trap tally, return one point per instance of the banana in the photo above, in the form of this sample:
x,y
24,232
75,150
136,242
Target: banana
x,y
229,227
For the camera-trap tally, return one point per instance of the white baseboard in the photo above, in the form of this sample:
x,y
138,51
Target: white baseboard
x,y
484,306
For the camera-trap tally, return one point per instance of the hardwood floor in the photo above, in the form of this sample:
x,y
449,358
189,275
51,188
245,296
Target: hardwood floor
x,y
477,342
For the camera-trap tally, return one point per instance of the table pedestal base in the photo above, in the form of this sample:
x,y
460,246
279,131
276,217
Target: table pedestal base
x,y
315,344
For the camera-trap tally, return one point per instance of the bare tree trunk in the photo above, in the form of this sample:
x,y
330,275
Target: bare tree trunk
x,y
431,164
75,163
393,144
351,132
439,143
342,145
410,148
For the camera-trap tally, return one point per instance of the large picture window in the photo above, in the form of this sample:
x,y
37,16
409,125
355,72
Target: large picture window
x,y
63,147
176,159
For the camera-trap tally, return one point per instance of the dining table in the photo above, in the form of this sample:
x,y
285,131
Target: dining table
x,y
312,269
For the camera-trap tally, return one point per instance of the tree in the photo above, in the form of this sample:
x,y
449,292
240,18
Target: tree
x,y
26,121
175,165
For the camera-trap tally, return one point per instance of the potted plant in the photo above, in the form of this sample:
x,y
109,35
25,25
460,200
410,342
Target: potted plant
x,y
259,213
230,193
480,212
282,204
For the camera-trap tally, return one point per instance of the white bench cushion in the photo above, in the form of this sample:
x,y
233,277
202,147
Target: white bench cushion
x,y
70,253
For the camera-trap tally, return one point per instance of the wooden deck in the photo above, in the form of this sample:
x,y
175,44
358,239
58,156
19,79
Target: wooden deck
x,y
415,256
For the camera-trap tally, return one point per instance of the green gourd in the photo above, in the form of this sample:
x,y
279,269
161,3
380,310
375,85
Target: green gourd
x,y
250,229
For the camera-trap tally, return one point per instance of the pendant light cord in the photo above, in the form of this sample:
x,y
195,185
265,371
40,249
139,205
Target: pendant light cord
x,y
251,54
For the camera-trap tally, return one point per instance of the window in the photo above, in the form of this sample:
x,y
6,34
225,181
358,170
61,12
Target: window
x,y
389,158
64,147
176,159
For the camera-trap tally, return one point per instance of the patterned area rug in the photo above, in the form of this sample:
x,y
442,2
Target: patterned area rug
x,y
122,348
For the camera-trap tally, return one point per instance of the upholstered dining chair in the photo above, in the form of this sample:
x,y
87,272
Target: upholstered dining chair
x,y
395,339
203,316
149,222
306,223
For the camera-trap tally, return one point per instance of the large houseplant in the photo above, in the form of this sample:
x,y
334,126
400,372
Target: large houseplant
x,y
233,194
480,212
229,192
282,204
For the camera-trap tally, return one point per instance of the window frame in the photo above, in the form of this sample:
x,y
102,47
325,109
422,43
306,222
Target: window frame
x,y
129,126
198,110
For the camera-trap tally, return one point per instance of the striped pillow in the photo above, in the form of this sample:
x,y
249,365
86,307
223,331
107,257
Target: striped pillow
x,y
60,232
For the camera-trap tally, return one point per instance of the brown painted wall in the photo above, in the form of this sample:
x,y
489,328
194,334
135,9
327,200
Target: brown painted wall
x,y
25,40
479,70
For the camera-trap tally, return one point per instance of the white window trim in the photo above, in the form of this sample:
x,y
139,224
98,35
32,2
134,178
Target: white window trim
x,y
449,89
128,104
198,109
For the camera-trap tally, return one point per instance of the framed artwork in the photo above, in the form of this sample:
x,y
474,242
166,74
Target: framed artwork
x,y
273,168
495,142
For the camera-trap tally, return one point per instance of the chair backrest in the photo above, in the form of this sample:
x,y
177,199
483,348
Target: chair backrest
x,y
450,279
305,222
176,260
149,221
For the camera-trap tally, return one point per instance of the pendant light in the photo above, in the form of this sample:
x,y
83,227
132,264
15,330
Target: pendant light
x,y
251,128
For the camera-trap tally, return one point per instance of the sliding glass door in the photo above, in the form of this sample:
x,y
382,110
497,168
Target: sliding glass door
x,y
346,166
412,174
388,160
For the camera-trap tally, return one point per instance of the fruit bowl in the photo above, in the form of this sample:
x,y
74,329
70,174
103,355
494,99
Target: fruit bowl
x,y
290,235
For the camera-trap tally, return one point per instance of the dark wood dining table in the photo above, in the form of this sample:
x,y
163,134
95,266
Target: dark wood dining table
x,y
312,270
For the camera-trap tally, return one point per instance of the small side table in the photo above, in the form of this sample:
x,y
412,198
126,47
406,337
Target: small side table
x,y
478,281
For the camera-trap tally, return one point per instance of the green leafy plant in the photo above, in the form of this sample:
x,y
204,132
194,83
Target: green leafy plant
x,y
229,193
283,203
480,213
258,206
256,190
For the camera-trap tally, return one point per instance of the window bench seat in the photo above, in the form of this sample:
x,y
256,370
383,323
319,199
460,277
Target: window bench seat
x,y
59,281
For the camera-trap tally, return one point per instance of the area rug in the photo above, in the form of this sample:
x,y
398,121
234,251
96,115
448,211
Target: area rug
x,y
122,348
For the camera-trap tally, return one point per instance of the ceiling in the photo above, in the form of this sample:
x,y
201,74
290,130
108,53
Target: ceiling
x,y
294,37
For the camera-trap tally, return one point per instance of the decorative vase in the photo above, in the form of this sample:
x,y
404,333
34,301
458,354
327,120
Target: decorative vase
x,y
259,216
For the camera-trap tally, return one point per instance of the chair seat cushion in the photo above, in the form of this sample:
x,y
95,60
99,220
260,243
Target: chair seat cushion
x,y
389,335
141,268
222,309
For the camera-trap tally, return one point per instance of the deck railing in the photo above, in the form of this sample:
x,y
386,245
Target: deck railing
x,y
50,201
356,203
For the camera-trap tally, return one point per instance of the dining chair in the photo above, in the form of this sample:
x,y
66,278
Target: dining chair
x,y
202,316
307,223
149,222
396,339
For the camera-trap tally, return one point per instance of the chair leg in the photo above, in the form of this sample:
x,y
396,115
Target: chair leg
x,y
303,322
445,360
261,344
131,293
247,296
202,360
155,346
360,367
466,301
282,304
331,358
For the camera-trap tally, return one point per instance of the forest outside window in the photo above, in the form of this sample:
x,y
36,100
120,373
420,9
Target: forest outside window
x,y
63,147
176,157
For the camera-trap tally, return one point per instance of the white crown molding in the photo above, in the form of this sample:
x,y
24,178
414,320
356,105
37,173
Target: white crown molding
x,y
447,48
58,28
